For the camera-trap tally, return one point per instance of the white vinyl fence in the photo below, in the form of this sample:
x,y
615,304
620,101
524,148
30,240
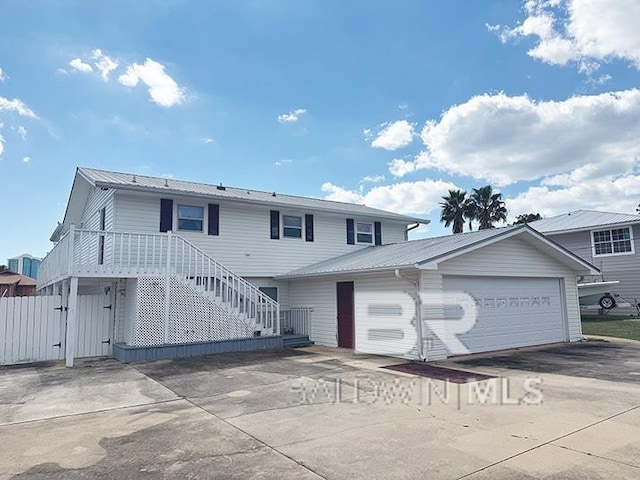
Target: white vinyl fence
x,y
33,329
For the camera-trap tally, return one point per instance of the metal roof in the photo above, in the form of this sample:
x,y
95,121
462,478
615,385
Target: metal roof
x,y
582,220
102,178
413,253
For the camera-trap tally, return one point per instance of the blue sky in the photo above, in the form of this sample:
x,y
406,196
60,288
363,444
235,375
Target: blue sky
x,y
377,102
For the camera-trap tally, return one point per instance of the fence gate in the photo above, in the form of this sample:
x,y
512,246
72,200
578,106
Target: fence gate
x,y
32,329
95,326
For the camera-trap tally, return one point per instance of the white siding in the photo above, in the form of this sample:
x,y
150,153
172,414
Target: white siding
x,y
98,199
385,315
244,243
514,257
320,294
431,284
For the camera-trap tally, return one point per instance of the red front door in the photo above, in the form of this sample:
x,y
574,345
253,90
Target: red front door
x,y
345,314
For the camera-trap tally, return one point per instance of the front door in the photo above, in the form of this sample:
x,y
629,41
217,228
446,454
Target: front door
x,y
344,292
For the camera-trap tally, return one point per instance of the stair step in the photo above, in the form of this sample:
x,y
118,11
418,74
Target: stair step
x,y
297,341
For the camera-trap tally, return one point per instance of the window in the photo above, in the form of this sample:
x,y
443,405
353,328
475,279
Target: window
x,y
190,217
291,226
612,242
271,292
364,232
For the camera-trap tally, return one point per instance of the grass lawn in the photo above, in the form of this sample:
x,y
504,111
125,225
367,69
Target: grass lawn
x,y
611,326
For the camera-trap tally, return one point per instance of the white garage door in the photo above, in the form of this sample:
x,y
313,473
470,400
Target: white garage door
x,y
512,311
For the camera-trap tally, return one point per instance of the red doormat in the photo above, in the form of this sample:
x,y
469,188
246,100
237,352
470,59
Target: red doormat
x,y
439,373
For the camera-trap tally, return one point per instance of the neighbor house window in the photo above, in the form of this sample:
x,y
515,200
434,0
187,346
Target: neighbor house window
x,y
190,217
291,226
271,292
364,232
612,242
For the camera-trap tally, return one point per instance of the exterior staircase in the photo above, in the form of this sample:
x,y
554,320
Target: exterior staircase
x,y
174,278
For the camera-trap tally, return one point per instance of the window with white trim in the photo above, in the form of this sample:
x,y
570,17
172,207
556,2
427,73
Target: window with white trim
x,y
291,226
617,241
364,232
190,217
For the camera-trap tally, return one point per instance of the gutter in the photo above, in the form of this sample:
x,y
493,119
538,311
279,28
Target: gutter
x,y
416,285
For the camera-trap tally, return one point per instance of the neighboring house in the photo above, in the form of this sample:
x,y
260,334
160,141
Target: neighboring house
x,y
25,264
13,284
191,268
610,241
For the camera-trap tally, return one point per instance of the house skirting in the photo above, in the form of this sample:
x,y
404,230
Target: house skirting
x,y
128,354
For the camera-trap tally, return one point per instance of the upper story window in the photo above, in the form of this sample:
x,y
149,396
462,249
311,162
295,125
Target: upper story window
x,y
190,217
291,226
364,232
617,241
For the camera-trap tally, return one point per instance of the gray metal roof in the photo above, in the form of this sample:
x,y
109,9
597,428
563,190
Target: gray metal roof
x,y
582,220
108,179
400,255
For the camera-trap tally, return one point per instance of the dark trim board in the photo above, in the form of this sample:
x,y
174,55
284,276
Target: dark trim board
x,y
128,353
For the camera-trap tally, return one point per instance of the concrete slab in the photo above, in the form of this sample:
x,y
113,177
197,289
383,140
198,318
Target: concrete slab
x,y
44,391
175,440
325,413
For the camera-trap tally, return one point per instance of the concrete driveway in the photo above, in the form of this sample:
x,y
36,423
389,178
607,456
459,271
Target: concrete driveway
x,y
570,412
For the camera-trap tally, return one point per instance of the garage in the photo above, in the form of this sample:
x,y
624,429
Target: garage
x,y
523,286
511,311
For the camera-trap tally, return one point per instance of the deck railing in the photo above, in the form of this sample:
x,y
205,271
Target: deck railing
x,y
295,321
97,253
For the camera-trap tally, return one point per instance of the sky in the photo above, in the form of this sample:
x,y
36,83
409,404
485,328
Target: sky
x,y
386,103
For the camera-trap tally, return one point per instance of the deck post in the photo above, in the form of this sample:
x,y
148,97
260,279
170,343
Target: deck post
x,y
72,323
167,288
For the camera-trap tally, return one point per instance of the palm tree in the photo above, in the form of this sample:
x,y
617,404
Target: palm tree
x,y
527,218
488,207
455,209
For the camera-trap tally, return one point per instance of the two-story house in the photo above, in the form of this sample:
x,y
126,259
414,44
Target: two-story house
x,y
610,241
185,267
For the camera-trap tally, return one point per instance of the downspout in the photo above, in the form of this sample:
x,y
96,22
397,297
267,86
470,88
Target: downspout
x,y
416,285
406,234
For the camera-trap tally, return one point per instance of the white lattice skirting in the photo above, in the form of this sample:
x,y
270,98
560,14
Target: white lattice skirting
x,y
192,316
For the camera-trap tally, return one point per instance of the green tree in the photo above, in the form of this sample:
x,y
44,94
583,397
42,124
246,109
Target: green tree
x,y
527,218
488,207
455,209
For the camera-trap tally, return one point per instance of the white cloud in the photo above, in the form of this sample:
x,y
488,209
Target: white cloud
x,y
79,65
1,141
506,139
372,179
163,89
419,198
394,135
26,159
103,63
284,161
617,193
16,105
291,117
208,140
399,167
3,75
583,32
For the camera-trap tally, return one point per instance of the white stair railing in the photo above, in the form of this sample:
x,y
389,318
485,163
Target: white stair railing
x,y
95,253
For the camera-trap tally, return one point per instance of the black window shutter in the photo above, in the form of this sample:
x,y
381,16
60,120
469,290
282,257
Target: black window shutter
x,y
166,214
214,219
275,224
377,232
351,234
308,228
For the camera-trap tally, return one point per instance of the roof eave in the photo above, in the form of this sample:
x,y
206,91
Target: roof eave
x,y
385,268
589,228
